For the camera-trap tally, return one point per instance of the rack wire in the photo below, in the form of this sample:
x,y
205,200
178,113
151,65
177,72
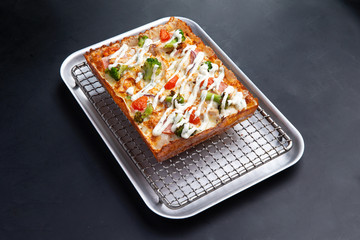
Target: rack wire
x,y
200,170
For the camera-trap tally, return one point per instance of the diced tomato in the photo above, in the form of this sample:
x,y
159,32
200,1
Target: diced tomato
x,y
140,103
210,81
171,83
164,35
193,119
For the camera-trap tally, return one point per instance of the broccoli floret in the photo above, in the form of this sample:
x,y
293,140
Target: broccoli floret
x,y
141,40
175,40
149,66
139,117
115,72
209,65
179,130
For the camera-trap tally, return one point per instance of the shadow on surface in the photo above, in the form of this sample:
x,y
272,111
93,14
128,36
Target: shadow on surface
x,y
353,6
95,144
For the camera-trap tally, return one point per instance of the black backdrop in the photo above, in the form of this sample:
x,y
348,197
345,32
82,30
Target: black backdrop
x,y
58,180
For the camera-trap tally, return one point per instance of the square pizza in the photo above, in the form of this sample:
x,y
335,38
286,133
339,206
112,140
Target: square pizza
x,y
172,87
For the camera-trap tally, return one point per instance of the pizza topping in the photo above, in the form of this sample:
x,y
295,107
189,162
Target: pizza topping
x,y
141,40
238,101
105,62
179,130
153,82
177,98
130,90
222,87
196,63
209,64
176,38
164,35
168,129
207,82
191,71
140,103
149,67
171,83
212,96
139,77
116,72
225,98
192,56
164,122
218,80
118,55
194,119
139,116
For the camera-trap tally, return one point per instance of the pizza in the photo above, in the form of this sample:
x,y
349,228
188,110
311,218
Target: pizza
x,y
172,87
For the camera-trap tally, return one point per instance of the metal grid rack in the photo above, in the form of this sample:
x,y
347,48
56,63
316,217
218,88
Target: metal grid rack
x,y
201,169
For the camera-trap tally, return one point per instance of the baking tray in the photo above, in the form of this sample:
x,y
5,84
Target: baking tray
x,y
206,174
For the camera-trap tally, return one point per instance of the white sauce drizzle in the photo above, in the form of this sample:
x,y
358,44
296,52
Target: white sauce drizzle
x,y
202,97
186,53
172,66
180,118
229,90
139,77
130,90
238,101
156,99
177,35
162,125
218,80
140,54
118,55
195,65
148,87
162,98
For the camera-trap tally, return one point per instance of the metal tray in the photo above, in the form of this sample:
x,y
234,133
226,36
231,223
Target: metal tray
x,y
205,175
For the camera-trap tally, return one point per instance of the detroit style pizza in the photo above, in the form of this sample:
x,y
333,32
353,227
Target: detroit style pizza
x,y
171,87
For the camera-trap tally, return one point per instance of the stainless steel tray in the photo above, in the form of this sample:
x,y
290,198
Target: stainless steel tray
x,y
205,175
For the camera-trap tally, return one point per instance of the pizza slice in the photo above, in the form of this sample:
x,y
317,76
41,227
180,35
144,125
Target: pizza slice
x,y
172,88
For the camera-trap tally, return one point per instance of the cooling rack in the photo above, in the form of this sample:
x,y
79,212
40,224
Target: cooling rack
x,y
204,175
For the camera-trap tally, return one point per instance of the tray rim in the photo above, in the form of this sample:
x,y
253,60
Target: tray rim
x,y
141,185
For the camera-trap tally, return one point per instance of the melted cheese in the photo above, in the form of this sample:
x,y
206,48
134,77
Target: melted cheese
x,y
192,85
118,55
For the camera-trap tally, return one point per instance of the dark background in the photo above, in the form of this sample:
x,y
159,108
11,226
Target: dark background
x,y
58,180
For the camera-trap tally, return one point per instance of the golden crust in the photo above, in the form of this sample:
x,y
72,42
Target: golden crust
x,y
94,56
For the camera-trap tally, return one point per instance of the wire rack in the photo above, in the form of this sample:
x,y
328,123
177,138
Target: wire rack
x,y
201,169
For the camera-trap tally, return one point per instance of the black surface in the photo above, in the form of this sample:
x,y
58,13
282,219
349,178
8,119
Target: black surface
x,y
58,180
